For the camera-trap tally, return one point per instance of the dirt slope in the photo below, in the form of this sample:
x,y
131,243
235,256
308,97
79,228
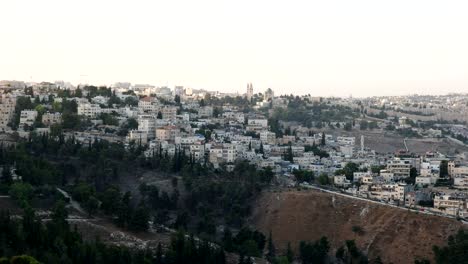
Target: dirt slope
x,y
396,235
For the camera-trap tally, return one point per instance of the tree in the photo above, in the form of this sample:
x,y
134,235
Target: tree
x,y
217,111
23,259
363,125
7,177
303,175
340,253
159,116
250,248
110,199
140,218
289,253
289,155
348,126
21,192
131,100
271,248
349,170
456,250
228,243
60,214
132,123
323,179
443,169
314,252
412,178
78,92
261,148
92,205
323,142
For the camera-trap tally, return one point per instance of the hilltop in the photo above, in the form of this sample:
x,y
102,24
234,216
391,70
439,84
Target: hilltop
x,y
396,235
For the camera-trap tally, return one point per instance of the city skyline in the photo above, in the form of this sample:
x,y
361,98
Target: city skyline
x,y
326,49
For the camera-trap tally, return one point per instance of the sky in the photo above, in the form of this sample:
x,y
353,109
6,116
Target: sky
x,y
323,48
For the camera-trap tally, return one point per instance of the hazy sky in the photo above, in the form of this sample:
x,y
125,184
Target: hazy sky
x,y
320,47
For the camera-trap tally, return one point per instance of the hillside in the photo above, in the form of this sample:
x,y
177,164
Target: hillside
x,y
396,235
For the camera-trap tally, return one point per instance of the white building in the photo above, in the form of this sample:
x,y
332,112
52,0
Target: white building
x,y
249,93
147,123
139,137
268,137
205,111
460,182
257,125
400,168
346,141
169,112
27,117
89,110
51,118
341,181
7,110
148,105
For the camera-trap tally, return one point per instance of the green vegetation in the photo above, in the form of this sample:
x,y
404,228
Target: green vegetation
x,y
314,252
349,169
303,176
317,151
408,132
351,254
309,114
89,172
455,252
56,242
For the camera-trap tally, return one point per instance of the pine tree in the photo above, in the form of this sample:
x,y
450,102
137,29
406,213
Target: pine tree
x,y
159,254
7,178
289,253
227,240
271,248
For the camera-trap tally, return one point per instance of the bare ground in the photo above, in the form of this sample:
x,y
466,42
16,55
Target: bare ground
x,y
396,235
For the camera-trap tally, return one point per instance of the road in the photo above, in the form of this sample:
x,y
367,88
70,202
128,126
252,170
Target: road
x,y
406,146
73,203
376,202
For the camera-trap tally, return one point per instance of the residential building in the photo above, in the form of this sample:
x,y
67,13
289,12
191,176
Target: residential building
x,y
7,110
89,110
205,111
400,168
169,112
27,117
49,118
147,124
268,137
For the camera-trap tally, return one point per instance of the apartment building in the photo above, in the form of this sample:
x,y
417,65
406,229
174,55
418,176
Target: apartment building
x,y
7,110
454,203
27,117
147,123
205,111
139,137
89,110
51,118
167,133
346,141
400,168
169,112
148,105
257,125
456,169
268,137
